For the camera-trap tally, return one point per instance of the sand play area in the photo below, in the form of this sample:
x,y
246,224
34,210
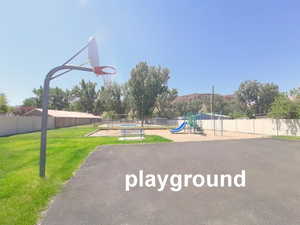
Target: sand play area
x,y
186,137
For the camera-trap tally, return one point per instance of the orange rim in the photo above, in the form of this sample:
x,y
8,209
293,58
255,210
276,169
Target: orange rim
x,y
100,70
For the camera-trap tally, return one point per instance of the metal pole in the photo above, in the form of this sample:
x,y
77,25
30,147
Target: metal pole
x,y
44,125
222,126
213,110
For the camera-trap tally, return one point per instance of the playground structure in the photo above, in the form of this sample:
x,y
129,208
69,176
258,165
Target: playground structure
x,y
180,128
189,128
190,125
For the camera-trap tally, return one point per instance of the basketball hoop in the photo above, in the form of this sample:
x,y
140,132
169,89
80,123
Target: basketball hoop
x,y
52,74
105,72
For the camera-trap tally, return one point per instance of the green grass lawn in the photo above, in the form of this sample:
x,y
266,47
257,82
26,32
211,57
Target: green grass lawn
x,y
292,138
23,195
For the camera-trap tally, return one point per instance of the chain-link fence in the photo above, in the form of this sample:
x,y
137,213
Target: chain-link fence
x,y
149,123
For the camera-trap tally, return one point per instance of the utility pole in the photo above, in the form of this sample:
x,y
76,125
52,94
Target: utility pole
x,y
213,109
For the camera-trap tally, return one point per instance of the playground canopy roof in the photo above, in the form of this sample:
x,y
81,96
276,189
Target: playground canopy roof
x,y
62,114
208,116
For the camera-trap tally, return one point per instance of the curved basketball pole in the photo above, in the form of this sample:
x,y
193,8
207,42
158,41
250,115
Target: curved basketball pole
x,y
44,126
100,70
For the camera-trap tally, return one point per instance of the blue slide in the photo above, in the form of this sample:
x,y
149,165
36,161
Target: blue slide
x,y
180,128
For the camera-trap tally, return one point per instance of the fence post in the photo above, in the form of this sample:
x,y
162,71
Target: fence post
x,y
17,125
221,126
276,127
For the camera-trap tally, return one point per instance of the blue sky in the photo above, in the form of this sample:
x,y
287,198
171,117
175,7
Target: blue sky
x,y
203,43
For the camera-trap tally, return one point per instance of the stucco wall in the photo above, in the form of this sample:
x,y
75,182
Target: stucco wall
x,y
22,124
255,126
69,122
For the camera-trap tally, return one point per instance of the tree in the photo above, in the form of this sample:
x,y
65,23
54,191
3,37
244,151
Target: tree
x,y
164,103
35,101
295,94
38,92
248,97
181,108
58,99
85,96
267,95
194,107
284,108
3,103
222,105
127,101
256,98
109,115
219,104
31,102
145,84
109,99
231,107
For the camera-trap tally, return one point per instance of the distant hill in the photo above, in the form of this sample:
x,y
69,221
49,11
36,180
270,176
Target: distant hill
x,y
198,96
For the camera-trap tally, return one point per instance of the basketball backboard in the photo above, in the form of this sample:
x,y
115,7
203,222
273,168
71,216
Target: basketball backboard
x,y
94,59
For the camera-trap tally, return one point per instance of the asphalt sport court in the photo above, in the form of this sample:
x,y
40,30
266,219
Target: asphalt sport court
x,y
96,194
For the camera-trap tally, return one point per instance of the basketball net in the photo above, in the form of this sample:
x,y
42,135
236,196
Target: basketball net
x,y
107,76
107,79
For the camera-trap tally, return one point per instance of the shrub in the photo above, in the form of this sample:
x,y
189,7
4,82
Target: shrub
x,y
284,108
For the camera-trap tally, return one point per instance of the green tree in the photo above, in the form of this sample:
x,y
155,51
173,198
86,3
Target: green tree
x,y
181,108
31,102
256,98
219,104
164,103
127,101
109,115
268,93
35,101
109,99
145,84
38,92
203,104
295,94
247,94
284,108
232,108
3,103
58,99
192,107
85,96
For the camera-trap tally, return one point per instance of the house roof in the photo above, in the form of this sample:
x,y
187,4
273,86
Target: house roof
x,y
64,114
